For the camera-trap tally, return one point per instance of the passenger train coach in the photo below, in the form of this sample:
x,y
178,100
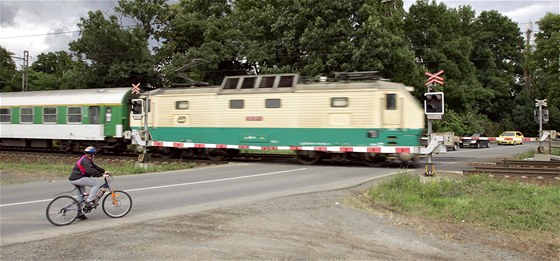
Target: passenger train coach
x,y
68,120
354,117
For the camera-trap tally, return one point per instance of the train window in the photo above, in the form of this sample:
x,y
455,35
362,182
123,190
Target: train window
x,y
272,103
6,115
74,114
248,83
49,114
339,102
26,115
267,82
236,104
286,81
231,83
181,105
94,112
391,101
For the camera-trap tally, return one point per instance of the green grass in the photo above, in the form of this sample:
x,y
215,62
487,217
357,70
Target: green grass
x,y
505,206
20,171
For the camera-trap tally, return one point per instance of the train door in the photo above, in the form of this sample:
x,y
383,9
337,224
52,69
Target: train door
x,y
113,128
391,111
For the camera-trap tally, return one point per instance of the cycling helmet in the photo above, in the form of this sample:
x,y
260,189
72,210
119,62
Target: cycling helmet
x,y
90,150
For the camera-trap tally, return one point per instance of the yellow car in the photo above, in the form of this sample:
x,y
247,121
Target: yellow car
x,y
510,137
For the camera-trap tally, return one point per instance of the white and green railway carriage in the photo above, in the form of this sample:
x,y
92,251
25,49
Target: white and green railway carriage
x,y
370,119
67,119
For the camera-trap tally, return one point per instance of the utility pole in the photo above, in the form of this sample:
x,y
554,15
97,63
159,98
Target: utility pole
x,y
25,71
24,77
526,69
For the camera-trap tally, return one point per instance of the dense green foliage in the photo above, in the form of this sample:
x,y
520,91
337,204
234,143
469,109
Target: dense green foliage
x,y
485,57
505,206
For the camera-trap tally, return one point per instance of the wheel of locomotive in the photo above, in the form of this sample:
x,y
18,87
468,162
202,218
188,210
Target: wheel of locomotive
x,y
232,153
410,164
308,157
374,161
167,153
217,154
188,153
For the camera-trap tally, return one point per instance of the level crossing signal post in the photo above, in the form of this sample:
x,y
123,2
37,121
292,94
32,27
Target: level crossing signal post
x,y
541,117
434,109
140,108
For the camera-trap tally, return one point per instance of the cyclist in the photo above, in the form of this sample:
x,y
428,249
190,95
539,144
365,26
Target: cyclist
x,y
82,174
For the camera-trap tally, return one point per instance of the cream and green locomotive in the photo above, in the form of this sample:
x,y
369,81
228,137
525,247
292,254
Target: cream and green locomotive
x,y
355,117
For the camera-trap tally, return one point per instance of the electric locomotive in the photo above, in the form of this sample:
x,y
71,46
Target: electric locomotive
x,y
357,116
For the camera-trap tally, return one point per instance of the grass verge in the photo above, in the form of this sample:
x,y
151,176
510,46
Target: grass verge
x,y
528,211
47,169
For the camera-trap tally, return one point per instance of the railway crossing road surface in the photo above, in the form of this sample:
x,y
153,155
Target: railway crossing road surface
x,y
459,160
157,195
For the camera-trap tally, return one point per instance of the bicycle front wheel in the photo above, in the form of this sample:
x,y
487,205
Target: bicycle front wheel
x,y
117,204
62,210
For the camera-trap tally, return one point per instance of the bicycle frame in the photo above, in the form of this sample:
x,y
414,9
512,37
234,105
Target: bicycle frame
x,y
97,198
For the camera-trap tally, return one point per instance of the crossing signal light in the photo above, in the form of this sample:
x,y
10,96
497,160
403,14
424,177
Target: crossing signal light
x,y
433,103
137,108
545,116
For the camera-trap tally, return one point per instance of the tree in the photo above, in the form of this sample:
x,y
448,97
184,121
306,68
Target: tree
x,y
438,36
8,71
498,58
115,56
203,31
546,77
47,71
148,14
482,59
53,63
324,37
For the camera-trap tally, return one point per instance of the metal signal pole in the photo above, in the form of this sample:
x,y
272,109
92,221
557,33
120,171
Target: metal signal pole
x,y
433,79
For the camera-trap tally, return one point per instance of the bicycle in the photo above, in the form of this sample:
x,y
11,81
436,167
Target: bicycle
x,y
64,209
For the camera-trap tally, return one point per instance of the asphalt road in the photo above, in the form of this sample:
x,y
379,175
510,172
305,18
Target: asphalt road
x,y
158,195
22,207
459,160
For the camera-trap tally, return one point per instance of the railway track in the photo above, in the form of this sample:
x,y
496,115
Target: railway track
x,y
517,168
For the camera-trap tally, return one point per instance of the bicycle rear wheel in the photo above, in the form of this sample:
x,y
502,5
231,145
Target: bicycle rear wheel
x,y
118,206
62,210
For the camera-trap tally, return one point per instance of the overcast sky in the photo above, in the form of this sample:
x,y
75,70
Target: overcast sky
x,y
41,26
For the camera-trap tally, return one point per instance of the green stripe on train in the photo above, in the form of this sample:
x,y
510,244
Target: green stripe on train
x,y
290,136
